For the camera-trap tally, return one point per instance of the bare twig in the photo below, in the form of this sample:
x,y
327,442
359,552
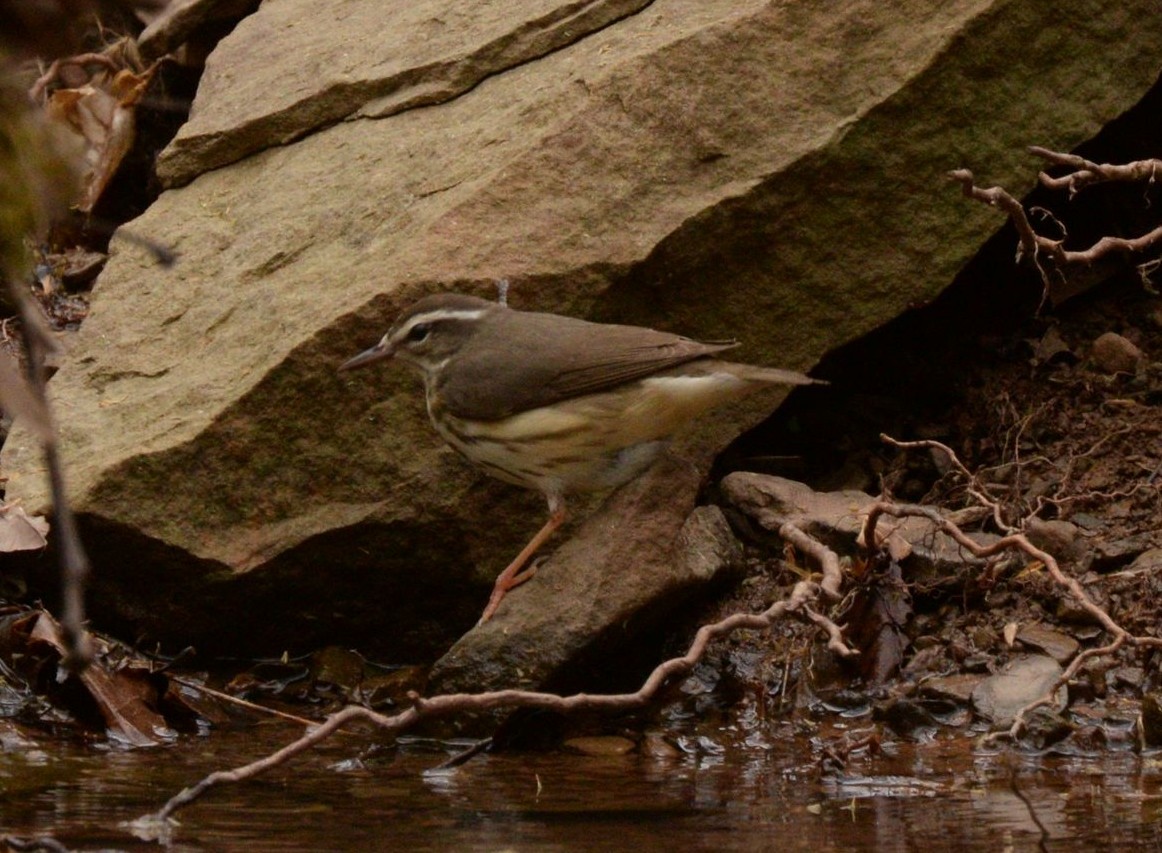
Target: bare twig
x,y
243,703
36,92
74,562
465,755
39,189
1086,172
1106,246
1031,243
1034,245
827,559
974,487
798,602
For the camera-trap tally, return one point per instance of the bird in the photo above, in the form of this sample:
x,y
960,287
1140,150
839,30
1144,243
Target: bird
x,y
555,403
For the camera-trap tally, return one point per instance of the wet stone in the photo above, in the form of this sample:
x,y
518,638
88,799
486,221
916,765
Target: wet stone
x,y
1045,727
906,717
957,688
1090,739
599,745
655,745
999,697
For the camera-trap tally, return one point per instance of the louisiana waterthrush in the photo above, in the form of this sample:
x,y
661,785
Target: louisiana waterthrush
x,y
554,403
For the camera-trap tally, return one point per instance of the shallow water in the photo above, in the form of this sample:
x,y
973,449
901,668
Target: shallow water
x,y
708,796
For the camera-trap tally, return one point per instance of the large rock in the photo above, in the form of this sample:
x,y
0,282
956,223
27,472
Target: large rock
x,y
721,167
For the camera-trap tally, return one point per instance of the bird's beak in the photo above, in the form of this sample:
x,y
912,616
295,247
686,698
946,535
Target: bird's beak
x,y
378,352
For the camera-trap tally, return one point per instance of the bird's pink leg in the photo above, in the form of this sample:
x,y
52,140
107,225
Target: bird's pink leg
x,y
513,576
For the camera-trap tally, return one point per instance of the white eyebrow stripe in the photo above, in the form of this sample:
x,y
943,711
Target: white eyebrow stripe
x,y
445,314
432,317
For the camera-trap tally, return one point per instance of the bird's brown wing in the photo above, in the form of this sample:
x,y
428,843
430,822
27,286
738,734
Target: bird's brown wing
x,y
525,360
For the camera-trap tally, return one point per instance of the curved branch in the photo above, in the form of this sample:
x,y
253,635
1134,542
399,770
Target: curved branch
x,y
798,602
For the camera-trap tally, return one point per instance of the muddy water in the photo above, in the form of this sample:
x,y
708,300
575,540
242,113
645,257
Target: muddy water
x,y
707,795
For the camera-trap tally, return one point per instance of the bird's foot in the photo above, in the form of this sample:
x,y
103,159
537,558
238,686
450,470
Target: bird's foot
x,y
502,586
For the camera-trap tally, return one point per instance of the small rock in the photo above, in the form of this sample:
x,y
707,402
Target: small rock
x,y
1088,521
906,717
337,665
1045,727
1050,346
1114,354
1129,676
956,688
999,697
1070,610
1059,538
1094,675
1061,647
1115,554
984,637
1090,739
599,745
1148,562
707,545
926,661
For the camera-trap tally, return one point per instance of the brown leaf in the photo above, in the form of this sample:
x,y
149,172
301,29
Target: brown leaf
x,y
104,114
20,531
879,612
123,699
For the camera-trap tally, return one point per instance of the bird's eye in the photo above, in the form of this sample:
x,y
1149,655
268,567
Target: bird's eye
x,y
418,333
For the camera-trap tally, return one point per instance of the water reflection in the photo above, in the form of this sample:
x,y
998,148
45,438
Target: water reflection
x,y
709,793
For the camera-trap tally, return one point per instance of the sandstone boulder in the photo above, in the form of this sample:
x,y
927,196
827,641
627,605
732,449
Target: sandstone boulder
x,y
725,168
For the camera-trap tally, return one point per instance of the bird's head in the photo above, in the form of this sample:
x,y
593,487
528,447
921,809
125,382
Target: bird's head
x,y
429,333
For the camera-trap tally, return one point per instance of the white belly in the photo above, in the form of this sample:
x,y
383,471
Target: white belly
x,y
589,443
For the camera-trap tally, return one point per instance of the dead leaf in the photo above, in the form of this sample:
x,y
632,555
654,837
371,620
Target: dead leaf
x,y
876,619
1050,346
899,548
123,698
20,531
104,114
1011,633
1031,567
